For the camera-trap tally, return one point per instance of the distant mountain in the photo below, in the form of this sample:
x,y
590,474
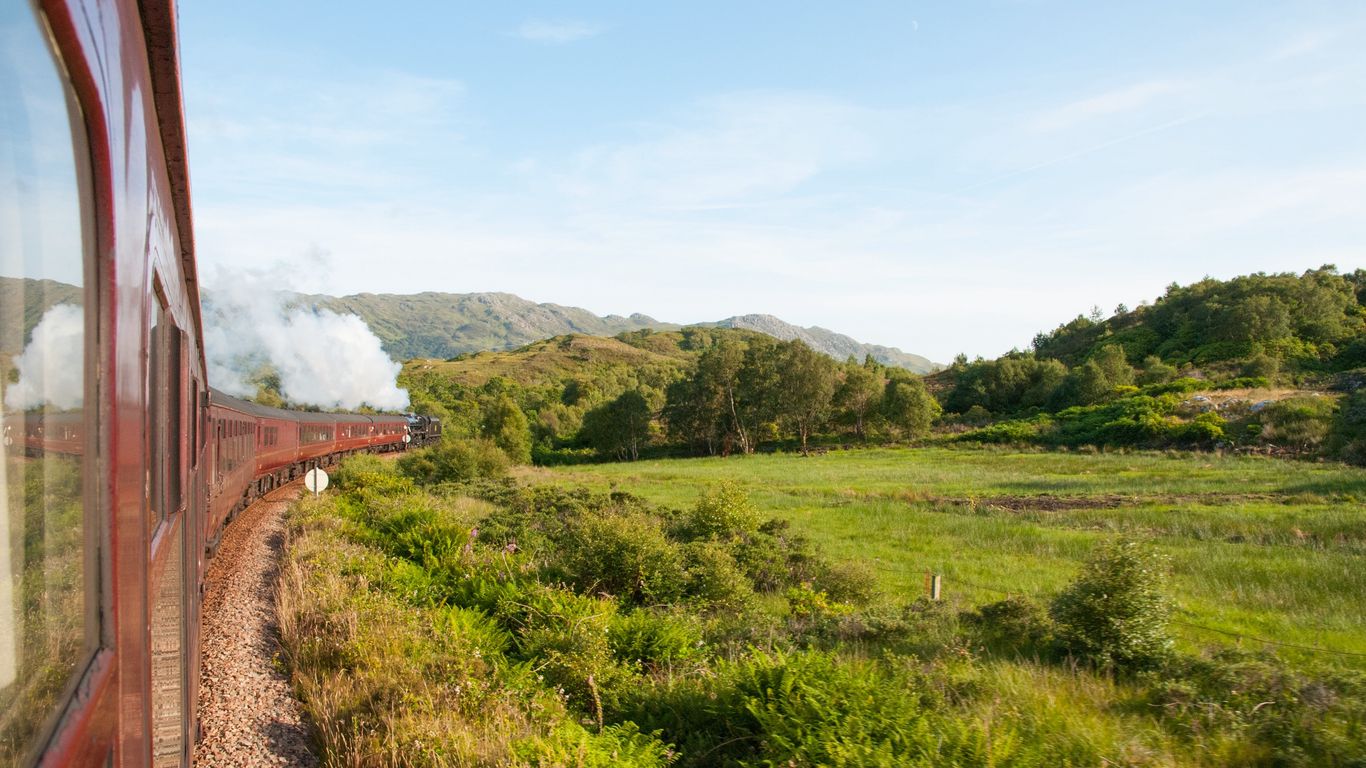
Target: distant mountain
x,y
837,345
443,325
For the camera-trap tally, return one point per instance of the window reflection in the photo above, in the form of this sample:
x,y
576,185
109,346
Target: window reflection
x,y
44,633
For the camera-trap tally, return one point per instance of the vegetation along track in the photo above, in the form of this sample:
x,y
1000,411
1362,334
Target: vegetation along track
x,y
247,711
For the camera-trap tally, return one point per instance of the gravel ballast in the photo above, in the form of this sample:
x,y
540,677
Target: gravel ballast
x,y
247,712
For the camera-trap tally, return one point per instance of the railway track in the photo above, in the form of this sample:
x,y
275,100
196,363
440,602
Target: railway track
x,y
248,713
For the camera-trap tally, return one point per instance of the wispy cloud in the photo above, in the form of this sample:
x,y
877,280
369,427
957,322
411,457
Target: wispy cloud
x,y
1120,100
541,31
312,136
727,151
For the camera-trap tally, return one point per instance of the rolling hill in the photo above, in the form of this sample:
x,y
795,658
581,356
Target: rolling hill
x,y
443,325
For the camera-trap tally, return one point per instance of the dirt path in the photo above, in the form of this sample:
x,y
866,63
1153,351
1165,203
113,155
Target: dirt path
x,y
247,711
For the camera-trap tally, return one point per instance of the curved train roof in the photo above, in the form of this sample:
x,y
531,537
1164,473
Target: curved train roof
x,y
218,397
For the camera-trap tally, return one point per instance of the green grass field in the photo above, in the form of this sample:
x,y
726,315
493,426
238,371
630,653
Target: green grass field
x,y
1260,547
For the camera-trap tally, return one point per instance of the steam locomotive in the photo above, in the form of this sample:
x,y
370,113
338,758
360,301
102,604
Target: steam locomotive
x,y
121,464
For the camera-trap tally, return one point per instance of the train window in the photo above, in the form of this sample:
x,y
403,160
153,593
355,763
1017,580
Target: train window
x,y
164,410
49,529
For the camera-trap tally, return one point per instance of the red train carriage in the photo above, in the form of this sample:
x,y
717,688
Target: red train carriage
x,y
254,449
115,441
99,326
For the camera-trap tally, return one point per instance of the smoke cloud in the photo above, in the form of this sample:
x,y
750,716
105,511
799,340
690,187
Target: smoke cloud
x,y
323,358
52,367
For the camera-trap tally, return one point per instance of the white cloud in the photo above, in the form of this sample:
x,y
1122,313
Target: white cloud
x,y
728,151
284,136
540,31
1130,98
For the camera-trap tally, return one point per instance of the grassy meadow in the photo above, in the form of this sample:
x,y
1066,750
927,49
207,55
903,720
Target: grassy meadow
x,y
1261,547
769,611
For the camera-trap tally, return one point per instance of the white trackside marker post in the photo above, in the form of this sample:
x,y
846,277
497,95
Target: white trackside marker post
x,y
315,480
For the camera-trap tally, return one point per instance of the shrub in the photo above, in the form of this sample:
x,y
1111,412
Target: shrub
x,y
1259,705
723,512
1114,614
815,708
1204,429
976,416
773,557
1262,366
566,636
853,583
1016,625
624,554
1245,382
365,470
714,577
454,461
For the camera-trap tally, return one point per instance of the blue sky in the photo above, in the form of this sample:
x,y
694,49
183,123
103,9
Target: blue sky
x,y
942,177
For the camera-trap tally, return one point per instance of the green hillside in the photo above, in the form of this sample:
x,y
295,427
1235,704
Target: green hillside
x,y
1259,362
443,325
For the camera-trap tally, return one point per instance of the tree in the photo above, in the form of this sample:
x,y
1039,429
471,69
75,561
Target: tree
x,y
1088,384
758,391
694,415
859,395
908,406
1115,365
620,427
506,425
805,388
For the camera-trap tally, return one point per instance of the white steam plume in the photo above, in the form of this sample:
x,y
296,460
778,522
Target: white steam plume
x,y
323,358
52,367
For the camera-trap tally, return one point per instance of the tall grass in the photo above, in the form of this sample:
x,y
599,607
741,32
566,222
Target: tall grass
x,y
778,620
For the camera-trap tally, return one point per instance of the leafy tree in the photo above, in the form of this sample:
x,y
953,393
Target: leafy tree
x,y
1089,384
804,389
859,395
758,391
908,406
621,427
506,425
1262,366
1114,365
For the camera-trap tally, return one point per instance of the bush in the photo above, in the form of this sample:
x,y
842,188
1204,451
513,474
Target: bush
x,y
366,470
1204,429
566,635
722,513
853,583
1115,614
1015,625
455,461
773,557
813,708
976,416
624,554
714,577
